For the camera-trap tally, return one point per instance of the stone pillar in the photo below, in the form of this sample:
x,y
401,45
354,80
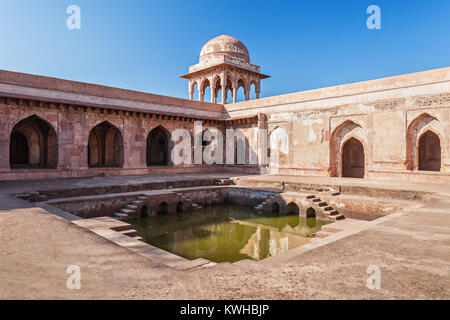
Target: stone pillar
x,y
4,149
191,92
223,83
247,95
224,94
258,88
263,143
213,95
235,94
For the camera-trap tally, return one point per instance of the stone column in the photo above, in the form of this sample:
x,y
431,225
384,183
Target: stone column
x,y
247,95
4,149
258,89
263,143
191,92
224,95
234,94
213,95
223,83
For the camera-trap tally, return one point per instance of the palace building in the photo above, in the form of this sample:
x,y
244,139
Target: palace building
x,y
392,128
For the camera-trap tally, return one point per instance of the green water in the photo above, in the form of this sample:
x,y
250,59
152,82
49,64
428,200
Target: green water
x,y
226,233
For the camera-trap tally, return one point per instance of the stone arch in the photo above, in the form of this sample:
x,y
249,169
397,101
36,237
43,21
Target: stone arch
x,y
241,83
216,86
33,144
192,89
180,206
429,151
275,207
292,208
311,212
353,158
340,135
205,84
105,146
257,88
311,217
278,148
229,89
162,208
159,147
255,83
416,129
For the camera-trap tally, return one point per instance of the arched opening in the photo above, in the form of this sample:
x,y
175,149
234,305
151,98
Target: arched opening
x,y
229,96
252,93
206,91
195,91
240,92
413,135
144,211
292,208
163,208
158,147
180,206
33,144
353,159
346,129
275,207
310,213
429,152
105,146
311,217
219,95
278,148
217,98
240,151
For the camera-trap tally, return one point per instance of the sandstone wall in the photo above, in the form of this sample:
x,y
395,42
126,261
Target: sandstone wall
x,y
73,124
388,116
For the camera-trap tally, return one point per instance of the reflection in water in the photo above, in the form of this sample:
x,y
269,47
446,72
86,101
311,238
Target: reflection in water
x,y
226,233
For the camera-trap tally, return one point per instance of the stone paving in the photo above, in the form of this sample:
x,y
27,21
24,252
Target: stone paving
x,y
411,249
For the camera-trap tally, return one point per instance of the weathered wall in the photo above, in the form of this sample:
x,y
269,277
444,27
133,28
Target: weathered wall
x,y
73,124
311,129
388,116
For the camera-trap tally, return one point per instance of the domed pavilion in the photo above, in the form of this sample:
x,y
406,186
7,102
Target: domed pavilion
x,y
224,63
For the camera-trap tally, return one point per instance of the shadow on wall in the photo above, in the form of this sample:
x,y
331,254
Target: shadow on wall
x,y
158,147
33,144
105,147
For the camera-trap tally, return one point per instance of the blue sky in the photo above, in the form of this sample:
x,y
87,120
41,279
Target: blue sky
x,y
146,45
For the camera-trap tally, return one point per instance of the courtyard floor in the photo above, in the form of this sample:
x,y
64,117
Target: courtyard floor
x,y
410,248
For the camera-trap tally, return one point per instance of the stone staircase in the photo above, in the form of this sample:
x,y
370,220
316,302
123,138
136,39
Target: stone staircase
x,y
107,226
130,208
127,231
323,209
